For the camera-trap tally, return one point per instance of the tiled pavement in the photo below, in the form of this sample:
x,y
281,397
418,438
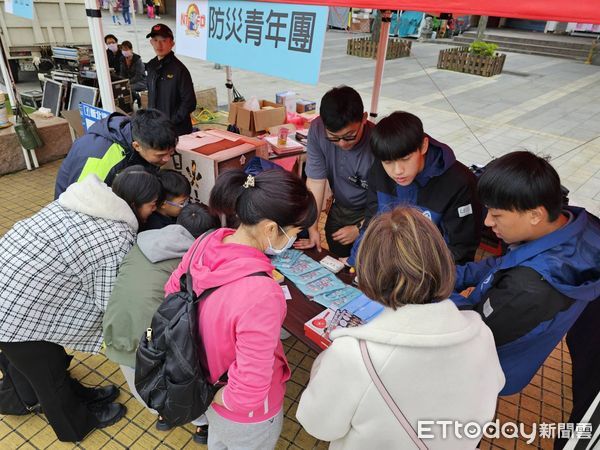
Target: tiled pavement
x,y
546,399
546,105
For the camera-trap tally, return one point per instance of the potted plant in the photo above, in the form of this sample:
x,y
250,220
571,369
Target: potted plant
x,y
480,58
366,47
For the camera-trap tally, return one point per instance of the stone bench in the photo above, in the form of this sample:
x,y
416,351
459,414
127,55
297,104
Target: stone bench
x,y
55,134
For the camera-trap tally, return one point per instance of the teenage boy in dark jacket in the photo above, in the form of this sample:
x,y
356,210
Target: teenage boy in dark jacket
x,y
170,86
531,296
411,168
116,142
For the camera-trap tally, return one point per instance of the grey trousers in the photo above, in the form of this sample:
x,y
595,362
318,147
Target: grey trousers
x,y
227,435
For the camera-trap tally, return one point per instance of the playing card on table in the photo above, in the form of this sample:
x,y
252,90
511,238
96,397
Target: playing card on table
x,y
303,265
308,276
338,298
324,284
286,259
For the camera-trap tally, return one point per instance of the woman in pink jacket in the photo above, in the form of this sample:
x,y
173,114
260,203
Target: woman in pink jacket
x,y
240,322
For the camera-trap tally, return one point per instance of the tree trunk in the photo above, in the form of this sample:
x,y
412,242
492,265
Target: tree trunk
x,y
481,27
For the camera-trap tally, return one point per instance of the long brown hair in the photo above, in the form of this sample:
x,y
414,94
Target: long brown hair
x,y
403,259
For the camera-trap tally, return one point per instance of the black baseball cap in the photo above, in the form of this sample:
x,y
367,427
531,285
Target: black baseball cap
x,y
160,29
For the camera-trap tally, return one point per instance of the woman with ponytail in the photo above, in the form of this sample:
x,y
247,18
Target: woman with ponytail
x,y
239,323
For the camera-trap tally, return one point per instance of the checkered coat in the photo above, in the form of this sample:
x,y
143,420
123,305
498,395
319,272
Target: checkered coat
x,y
57,268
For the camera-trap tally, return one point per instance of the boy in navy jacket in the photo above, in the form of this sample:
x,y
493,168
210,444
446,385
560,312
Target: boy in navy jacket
x,y
411,168
531,296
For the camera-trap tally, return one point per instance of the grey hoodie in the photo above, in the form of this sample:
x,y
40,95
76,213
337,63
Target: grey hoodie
x,y
169,242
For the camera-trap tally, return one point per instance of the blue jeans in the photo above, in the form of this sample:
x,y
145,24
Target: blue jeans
x,y
126,16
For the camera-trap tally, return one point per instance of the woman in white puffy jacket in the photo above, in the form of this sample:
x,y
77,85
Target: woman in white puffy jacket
x,y
436,362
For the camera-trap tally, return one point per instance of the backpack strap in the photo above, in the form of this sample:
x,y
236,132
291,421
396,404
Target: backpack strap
x,y
186,281
209,291
395,409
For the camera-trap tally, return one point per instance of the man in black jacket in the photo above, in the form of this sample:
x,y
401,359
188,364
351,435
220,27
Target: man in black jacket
x,y
170,87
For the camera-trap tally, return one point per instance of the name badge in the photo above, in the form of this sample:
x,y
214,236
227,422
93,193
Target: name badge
x,y
487,308
464,211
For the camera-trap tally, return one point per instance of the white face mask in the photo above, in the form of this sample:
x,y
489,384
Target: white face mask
x,y
113,47
127,53
277,251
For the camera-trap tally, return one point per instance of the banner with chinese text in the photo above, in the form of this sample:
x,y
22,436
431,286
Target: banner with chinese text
x,y
275,39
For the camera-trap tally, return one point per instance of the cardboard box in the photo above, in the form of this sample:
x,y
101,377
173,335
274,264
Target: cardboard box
x,y
305,106
202,170
73,117
357,312
251,123
207,99
316,328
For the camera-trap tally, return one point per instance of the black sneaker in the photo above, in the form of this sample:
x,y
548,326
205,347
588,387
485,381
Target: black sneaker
x,y
162,425
109,414
201,435
102,395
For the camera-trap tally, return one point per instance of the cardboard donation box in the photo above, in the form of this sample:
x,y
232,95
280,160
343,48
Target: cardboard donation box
x,y
251,123
203,155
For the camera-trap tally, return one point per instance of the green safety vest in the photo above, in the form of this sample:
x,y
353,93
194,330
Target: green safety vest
x,y
102,166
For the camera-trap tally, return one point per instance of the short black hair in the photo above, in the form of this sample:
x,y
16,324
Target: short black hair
x,y
197,220
126,44
153,130
340,107
136,186
110,36
521,181
396,136
173,184
277,195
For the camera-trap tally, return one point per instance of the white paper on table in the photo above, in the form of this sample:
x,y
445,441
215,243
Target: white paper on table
x,y
286,292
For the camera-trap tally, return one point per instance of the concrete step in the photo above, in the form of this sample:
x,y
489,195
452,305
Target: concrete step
x,y
533,47
534,39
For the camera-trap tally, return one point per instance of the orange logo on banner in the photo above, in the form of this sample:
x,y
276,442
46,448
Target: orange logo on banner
x,y
193,21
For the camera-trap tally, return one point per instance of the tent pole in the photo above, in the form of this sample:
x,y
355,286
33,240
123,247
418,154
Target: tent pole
x,y
135,30
386,18
97,37
229,84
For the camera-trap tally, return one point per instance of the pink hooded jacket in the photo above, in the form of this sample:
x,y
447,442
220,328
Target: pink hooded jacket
x,y
239,326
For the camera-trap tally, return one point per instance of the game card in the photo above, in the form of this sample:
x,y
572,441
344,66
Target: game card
x,y
338,298
303,265
308,276
323,285
286,259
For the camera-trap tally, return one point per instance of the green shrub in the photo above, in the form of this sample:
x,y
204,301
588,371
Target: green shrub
x,y
483,48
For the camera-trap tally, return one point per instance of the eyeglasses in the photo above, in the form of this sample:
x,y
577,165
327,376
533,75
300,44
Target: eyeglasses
x,y
345,138
178,205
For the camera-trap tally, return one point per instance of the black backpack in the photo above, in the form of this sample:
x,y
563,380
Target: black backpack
x,y
168,373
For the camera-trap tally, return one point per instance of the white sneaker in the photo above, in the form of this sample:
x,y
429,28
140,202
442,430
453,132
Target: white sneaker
x,y
284,334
